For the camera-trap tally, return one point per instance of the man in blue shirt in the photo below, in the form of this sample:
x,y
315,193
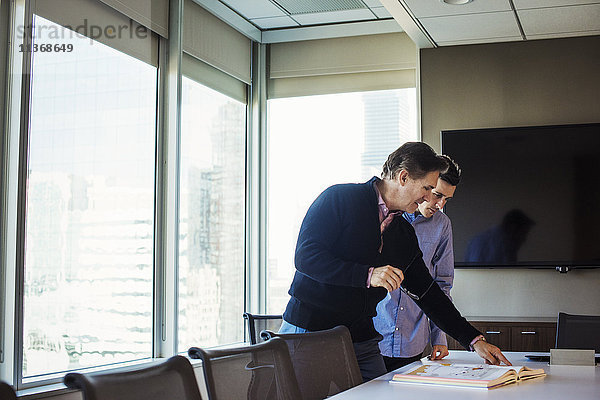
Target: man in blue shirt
x,y
405,328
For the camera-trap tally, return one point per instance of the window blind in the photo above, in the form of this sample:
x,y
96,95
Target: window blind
x,y
214,42
152,14
102,23
360,63
214,78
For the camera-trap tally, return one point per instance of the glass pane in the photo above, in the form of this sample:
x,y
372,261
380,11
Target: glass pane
x,y
318,141
90,206
211,227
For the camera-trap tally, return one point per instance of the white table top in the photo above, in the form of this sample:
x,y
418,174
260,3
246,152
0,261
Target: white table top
x,y
561,382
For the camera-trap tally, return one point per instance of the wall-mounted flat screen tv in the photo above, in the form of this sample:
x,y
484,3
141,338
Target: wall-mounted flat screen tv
x,y
529,196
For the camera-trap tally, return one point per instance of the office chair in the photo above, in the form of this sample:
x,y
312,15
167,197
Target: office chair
x,y
324,361
578,332
7,392
257,323
261,371
173,379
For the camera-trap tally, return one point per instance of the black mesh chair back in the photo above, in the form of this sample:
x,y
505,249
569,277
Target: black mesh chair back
x,y
173,379
257,323
578,332
324,361
255,372
7,392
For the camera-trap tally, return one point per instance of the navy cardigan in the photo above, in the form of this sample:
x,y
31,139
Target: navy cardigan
x,y
338,242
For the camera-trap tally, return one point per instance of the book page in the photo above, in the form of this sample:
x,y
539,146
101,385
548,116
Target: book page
x,y
528,373
460,371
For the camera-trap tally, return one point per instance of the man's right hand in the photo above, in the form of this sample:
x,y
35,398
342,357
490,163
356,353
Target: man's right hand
x,y
387,277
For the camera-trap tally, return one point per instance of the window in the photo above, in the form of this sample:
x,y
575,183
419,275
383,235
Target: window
x,y
211,219
97,280
90,206
317,141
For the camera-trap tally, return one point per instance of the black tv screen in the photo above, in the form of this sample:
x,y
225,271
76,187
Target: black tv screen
x,y
529,196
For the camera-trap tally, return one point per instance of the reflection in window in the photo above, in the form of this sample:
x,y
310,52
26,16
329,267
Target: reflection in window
x,y
90,207
318,141
211,227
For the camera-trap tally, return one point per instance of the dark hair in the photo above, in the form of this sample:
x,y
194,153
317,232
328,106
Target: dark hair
x,y
452,175
417,158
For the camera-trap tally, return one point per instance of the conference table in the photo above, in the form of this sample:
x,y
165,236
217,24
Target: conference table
x,y
561,382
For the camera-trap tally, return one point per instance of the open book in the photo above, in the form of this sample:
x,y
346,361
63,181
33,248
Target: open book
x,y
467,375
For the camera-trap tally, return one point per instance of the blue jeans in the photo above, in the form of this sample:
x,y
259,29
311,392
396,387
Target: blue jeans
x,y
370,360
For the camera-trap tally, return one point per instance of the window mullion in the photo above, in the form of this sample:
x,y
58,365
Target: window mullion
x,y
256,186
167,187
15,195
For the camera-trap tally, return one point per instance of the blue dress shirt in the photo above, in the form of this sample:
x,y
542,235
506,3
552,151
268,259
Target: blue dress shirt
x,y
405,328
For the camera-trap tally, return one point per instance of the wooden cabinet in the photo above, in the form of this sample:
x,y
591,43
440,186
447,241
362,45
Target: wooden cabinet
x,y
498,334
514,336
533,337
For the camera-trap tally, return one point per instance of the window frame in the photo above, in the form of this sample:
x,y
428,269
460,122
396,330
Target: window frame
x,y
268,186
166,203
4,34
22,137
214,81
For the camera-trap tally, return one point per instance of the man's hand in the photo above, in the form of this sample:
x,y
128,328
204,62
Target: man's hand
x,y
490,353
438,352
387,277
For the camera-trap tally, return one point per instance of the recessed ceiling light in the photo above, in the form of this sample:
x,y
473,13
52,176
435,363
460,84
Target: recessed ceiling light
x,y
457,2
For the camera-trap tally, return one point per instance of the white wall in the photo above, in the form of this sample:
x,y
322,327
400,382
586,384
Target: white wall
x,y
514,84
490,293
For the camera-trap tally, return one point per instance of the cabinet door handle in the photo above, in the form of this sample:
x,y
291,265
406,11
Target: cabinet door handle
x,y
527,332
493,332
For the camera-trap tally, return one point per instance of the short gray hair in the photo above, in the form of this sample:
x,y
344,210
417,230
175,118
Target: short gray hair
x,y
417,158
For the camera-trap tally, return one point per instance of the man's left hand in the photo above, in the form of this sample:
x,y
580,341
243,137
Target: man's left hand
x,y
438,352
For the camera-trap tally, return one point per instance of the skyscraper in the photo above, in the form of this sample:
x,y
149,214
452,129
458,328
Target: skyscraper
x,y
389,122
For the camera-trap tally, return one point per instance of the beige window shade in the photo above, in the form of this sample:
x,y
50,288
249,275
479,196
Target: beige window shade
x,y
152,14
100,22
213,41
341,83
359,63
214,78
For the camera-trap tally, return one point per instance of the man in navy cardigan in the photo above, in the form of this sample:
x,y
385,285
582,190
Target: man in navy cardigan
x,y
351,250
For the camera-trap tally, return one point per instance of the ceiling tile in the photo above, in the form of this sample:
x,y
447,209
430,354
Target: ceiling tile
x,y
255,8
436,8
274,22
523,4
372,3
335,16
381,12
560,20
472,26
